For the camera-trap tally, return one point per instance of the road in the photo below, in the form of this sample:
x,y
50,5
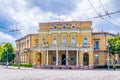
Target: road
x,y
57,74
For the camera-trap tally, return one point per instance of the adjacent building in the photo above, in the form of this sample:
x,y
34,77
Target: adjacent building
x,y
25,47
68,44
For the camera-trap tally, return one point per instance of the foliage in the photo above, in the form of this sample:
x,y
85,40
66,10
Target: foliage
x,y
114,44
1,51
7,51
22,65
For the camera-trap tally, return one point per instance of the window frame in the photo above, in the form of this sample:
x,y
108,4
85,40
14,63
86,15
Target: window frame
x,y
63,42
53,40
72,43
54,26
85,42
54,58
63,26
96,46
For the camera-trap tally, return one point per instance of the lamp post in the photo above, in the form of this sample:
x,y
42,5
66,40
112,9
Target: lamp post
x,y
7,58
108,58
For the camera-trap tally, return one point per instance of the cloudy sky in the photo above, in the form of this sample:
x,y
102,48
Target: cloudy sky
x,y
26,14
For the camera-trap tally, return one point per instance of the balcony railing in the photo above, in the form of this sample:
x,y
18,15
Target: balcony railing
x,y
56,45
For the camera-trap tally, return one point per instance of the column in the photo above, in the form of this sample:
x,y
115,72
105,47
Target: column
x,y
56,57
66,57
47,58
77,58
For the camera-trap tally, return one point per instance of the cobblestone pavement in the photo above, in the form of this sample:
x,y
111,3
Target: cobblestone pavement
x,y
57,74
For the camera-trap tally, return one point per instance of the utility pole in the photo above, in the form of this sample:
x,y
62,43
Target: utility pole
x,y
108,58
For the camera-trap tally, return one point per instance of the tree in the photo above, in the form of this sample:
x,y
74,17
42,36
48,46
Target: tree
x,y
7,51
114,44
1,51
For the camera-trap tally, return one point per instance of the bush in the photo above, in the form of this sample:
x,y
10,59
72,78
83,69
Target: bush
x,y
22,65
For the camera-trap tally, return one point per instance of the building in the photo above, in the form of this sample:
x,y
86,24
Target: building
x,y
25,46
68,44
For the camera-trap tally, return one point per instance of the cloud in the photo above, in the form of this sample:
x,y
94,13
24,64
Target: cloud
x,y
54,6
26,14
7,38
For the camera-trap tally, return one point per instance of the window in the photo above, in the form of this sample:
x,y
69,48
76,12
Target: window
x,y
54,40
72,27
63,41
85,41
54,57
43,41
97,44
64,27
55,26
73,41
36,41
73,58
96,59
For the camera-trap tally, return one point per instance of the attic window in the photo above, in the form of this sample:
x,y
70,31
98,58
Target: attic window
x,y
63,26
73,27
55,26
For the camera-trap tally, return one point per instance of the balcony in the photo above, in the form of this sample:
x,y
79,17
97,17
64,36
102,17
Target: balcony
x,y
86,46
61,47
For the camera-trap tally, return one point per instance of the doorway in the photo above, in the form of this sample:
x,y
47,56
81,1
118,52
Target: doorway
x,y
86,59
63,59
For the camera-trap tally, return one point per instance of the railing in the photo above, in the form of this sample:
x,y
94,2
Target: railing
x,y
56,45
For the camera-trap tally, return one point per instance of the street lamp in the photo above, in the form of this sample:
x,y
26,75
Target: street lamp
x,y
7,58
108,58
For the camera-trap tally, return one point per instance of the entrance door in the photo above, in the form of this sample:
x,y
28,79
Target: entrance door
x,y
63,59
86,59
39,58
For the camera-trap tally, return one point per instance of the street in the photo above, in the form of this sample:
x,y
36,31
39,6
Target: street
x,y
57,74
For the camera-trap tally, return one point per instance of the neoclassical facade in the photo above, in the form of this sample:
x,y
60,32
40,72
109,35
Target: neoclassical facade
x,y
68,44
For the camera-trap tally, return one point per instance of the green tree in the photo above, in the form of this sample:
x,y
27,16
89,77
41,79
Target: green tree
x,y
1,51
8,50
114,44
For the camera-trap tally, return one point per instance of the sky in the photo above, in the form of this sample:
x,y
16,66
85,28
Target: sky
x,y
26,14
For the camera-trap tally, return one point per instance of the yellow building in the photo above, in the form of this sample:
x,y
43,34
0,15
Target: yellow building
x,y
25,46
70,44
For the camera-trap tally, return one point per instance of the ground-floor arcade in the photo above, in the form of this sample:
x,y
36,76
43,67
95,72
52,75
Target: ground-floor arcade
x,y
64,59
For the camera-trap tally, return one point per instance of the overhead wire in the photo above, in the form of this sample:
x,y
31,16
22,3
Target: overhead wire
x,y
108,13
101,16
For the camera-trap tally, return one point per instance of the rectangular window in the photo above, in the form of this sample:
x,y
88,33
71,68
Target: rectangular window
x,y
55,40
63,41
85,41
43,41
54,58
97,44
73,41
96,59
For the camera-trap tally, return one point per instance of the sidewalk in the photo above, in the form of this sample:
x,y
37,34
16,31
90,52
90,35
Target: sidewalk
x,y
15,67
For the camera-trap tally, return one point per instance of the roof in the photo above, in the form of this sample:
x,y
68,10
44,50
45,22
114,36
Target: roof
x,y
104,33
65,22
27,36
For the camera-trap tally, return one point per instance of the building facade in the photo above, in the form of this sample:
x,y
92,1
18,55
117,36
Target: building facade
x,y
70,44
25,46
